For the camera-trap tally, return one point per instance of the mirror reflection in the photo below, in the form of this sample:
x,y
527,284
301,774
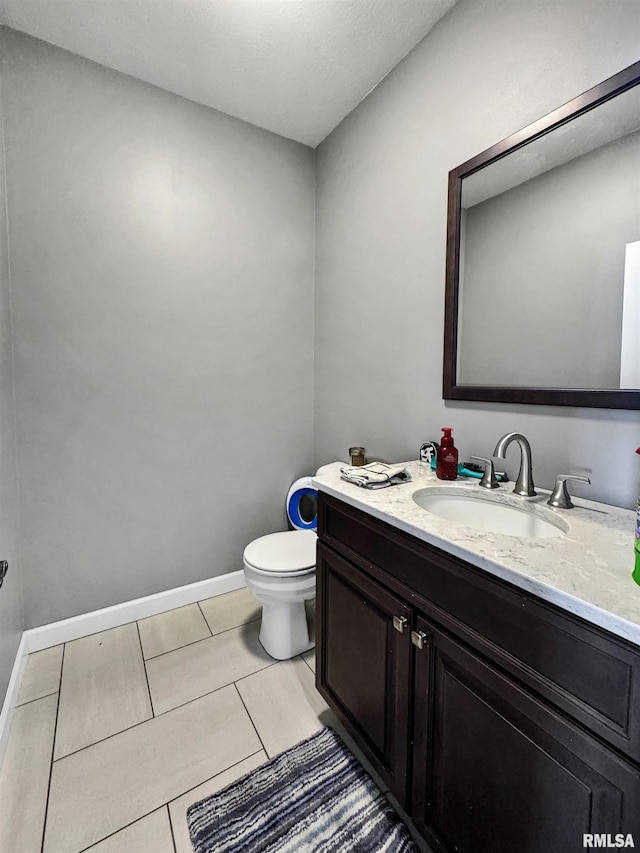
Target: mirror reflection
x,y
549,258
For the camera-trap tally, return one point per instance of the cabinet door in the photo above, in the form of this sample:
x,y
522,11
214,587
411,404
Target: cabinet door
x,y
363,656
496,770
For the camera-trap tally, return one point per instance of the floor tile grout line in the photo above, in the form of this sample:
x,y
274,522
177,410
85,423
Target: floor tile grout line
x,y
173,832
162,714
64,646
266,752
53,746
211,778
114,734
203,640
172,800
209,692
268,666
184,645
306,661
204,616
173,837
146,675
44,696
122,828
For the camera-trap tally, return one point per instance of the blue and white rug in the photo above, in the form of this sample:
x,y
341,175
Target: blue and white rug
x,y
313,798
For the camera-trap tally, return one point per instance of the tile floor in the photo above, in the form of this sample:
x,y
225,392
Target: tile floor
x,y
116,734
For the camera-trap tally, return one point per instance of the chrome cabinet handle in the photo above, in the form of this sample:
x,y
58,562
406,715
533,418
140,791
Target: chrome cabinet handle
x,y
419,639
399,623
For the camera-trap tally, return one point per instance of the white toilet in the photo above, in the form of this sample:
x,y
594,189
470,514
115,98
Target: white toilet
x,y
280,570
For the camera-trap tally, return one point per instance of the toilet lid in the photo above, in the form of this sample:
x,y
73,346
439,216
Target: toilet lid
x,y
283,552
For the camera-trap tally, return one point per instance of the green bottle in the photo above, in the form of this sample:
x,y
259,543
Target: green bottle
x,y
636,572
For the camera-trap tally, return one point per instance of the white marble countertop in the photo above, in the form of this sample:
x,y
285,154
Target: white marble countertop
x,y
586,571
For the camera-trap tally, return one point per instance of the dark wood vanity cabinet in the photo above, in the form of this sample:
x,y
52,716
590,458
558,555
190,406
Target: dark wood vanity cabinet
x,y
366,664
491,747
494,768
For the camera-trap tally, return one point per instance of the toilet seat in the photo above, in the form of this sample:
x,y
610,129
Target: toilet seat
x,y
274,574
282,554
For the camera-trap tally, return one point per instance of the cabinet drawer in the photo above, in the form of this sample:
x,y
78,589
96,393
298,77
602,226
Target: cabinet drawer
x,y
590,674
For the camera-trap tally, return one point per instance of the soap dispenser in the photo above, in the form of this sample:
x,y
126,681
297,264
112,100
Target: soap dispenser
x,y
447,462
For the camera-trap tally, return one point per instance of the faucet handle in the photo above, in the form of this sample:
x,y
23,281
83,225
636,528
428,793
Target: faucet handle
x,y
560,496
488,480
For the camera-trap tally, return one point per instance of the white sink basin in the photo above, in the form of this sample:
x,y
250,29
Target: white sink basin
x,y
490,515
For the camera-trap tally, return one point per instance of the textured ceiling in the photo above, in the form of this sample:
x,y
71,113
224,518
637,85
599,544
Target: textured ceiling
x,y
295,67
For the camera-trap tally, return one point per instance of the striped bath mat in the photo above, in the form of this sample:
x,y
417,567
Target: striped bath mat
x,y
313,798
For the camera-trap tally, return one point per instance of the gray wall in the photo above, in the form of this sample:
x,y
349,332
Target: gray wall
x,y
11,621
162,279
162,274
486,70
544,265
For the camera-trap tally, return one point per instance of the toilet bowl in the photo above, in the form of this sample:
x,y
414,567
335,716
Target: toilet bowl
x,y
280,571
281,584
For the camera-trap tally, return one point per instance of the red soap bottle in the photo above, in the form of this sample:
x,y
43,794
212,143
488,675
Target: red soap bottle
x,y
447,461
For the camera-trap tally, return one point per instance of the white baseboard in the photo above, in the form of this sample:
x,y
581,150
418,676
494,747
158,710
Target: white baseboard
x,y
11,696
129,611
36,639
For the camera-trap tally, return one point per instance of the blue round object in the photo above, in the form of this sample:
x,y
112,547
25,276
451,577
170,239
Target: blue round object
x,y
302,508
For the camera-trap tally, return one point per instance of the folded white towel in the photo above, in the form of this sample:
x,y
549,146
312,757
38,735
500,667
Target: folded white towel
x,y
375,475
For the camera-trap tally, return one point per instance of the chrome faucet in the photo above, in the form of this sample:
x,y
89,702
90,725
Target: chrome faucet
x,y
524,483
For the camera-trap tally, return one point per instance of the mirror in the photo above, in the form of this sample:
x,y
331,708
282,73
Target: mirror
x,y
543,259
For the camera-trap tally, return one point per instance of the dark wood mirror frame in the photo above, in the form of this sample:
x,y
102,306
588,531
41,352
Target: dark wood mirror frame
x,y
590,398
